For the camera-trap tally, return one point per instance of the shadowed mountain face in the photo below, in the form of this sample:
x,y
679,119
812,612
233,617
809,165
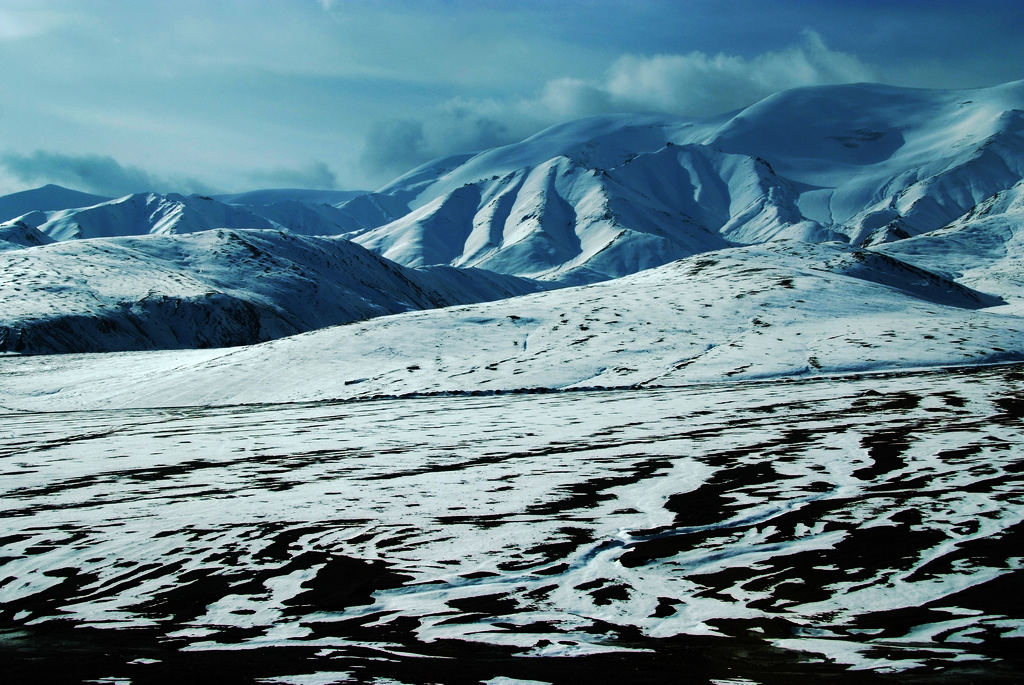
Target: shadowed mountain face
x,y
43,199
857,530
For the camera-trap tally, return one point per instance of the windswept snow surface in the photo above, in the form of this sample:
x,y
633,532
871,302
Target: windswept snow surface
x,y
212,289
852,530
782,309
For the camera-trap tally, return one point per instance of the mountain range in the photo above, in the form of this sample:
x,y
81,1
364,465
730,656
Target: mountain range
x,y
829,228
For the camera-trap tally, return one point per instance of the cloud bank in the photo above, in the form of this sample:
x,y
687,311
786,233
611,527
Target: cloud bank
x,y
104,175
695,85
99,174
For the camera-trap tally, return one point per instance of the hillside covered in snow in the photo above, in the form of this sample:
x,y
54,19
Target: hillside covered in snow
x,y
214,288
781,309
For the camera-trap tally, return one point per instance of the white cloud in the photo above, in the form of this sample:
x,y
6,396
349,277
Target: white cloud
x,y
16,24
99,174
695,84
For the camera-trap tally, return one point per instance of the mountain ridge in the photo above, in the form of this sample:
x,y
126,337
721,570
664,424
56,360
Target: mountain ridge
x,y
214,288
917,175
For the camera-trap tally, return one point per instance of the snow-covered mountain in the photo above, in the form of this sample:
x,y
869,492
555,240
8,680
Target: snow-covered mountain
x,y
144,213
609,195
68,215
210,289
43,199
932,178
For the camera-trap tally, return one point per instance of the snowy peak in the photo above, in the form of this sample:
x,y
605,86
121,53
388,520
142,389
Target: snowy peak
x,y
595,142
563,220
924,156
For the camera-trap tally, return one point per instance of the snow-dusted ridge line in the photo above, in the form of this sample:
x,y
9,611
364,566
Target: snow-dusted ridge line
x,y
299,211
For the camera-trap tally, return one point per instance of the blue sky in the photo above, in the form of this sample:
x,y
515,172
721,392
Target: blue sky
x,y
116,96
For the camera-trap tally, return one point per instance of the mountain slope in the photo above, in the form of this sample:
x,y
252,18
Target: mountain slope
x,y
211,289
783,309
984,248
15,235
564,220
879,153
